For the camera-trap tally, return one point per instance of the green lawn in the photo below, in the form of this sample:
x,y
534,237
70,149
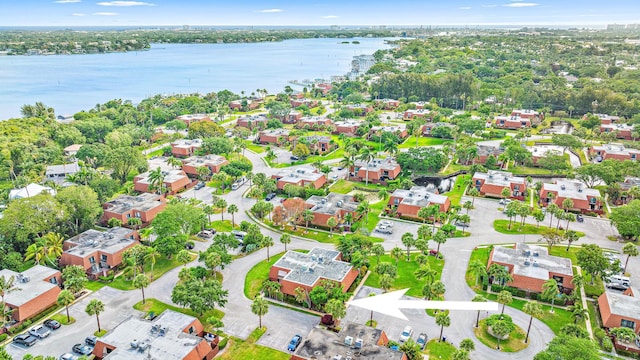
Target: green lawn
x,y
502,226
336,154
422,141
406,279
162,266
257,275
258,149
440,350
238,349
157,307
342,186
479,254
455,195
222,226
95,285
62,318
514,343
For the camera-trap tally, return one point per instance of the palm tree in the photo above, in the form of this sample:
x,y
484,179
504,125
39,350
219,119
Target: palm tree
x,y
533,309
377,250
630,250
440,238
267,242
396,254
478,298
577,312
66,298
467,345
301,296
468,205
431,212
367,156
347,162
233,208
499,274
504,298
174,162
307,216
478,270
383,194
363,211
501,328
386,282
336,308
156,180
259,307
152,256
285,239
331,223
442,319
183,257
390,147
222,205
550,291
35,251
141,281
473,192
408,241
95,307
425,272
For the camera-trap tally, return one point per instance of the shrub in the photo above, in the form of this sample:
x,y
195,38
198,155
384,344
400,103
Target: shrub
x,y
599,334
607,345
223,343
106,278
3,337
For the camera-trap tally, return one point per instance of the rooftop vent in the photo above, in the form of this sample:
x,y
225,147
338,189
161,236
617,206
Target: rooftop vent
x,y
535,253
339,203
527,253
320,258
535,264
358,344
348,340
562,187
134,343
527,263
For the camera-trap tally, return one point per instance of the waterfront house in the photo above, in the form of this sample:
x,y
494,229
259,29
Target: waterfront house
x,y
376,171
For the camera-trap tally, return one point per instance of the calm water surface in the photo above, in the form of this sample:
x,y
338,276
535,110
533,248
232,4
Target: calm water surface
x,y
70,83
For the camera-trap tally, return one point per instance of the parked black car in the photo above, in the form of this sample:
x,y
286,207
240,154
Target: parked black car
x,y
25,339
270,196
52,324
579,218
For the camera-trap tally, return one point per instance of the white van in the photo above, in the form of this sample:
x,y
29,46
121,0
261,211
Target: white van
x,y
619,280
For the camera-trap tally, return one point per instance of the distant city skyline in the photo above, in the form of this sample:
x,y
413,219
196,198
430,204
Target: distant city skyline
x,y
324,13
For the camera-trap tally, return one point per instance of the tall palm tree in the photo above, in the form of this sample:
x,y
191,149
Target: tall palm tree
x,y
285,239
442,319
95,307
259,307
156,180
367,156
174,162
478,298
347,162
390,147
152,255
550,291
141,281
577,312
66,298
363,211
233,208
478,270
307,216
533,309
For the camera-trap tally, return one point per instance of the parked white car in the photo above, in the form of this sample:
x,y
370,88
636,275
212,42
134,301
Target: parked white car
x,y
406,333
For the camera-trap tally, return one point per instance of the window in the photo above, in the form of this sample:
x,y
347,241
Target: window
x,y
628,324
128,216
92,260
516,187
137,214
103,257
396,201
592,200
558,279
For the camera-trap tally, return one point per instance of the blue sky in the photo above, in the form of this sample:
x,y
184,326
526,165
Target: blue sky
x,y
316,12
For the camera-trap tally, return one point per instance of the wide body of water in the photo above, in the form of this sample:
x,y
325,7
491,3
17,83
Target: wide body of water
x,y
70,83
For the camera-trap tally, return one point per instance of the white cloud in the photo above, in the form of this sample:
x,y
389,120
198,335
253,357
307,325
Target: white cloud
x,y
104,14
330,17
125,3
78,14
465,8
267,11
521,4
66,1
489,6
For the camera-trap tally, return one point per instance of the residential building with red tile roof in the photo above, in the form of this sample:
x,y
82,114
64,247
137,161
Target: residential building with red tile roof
x,y
493,182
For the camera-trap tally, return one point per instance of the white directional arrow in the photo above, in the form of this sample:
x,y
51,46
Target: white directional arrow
x,y
390,304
